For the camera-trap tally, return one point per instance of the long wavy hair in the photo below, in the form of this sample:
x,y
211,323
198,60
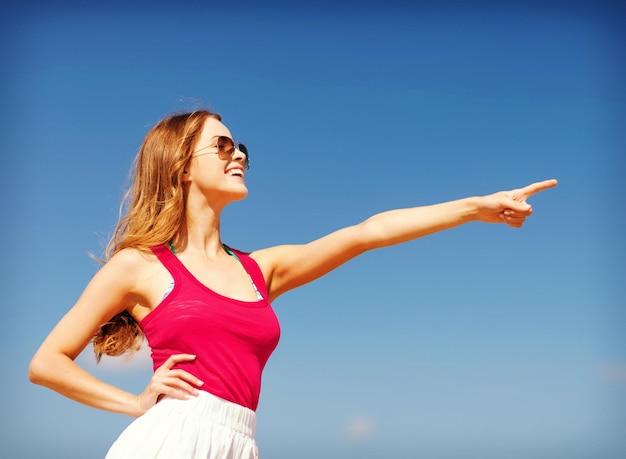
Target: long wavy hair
x,y
152,211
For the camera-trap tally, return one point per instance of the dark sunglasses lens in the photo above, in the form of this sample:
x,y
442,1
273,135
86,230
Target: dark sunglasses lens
x,y
244,150
224,144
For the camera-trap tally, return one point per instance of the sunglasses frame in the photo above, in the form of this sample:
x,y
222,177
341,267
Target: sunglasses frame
x,y
222,153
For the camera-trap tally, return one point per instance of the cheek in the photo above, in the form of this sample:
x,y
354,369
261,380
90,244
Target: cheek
x,y
209,178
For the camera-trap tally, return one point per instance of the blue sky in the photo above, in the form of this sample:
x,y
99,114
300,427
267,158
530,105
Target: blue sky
x,y
479,342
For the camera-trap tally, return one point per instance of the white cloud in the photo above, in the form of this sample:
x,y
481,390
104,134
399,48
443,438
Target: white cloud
x,y
612,372
358,428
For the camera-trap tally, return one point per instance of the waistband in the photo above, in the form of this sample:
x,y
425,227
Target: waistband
x,y
208,407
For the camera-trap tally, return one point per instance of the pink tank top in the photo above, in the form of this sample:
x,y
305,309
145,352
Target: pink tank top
x,y
232,339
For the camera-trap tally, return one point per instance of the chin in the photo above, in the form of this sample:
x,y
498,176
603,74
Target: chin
x,y
240,195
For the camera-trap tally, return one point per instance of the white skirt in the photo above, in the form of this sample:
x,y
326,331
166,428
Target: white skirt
x,y
202,427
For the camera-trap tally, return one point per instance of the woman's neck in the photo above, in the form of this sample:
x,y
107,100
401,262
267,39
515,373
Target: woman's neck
x,y
200,233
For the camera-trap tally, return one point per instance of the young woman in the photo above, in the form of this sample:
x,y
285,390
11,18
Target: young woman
x,y
205,307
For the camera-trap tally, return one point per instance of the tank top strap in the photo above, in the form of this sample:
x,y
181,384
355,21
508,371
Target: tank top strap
x,y
162,252
168,259
253,270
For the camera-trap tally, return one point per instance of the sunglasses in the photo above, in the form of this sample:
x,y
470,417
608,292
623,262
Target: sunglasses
x,y
225,148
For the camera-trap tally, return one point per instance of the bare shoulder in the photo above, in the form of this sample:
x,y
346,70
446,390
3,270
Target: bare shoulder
x,y
131,258
141,276
268,257
131,265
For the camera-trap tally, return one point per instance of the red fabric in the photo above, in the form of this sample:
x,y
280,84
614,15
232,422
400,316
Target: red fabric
x,y
232,339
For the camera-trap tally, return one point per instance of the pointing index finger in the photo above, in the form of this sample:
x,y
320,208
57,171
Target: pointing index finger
x,y
536,187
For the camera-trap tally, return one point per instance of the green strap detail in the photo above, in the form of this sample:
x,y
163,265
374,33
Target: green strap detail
x,y
172,247
231,253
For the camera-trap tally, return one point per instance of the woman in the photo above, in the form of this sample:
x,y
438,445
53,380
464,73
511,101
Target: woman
x,y
204,307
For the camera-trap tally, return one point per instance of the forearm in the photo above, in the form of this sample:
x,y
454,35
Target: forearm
x,y
403,225
63,375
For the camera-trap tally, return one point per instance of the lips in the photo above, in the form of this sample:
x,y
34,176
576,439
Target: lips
x,y
235,172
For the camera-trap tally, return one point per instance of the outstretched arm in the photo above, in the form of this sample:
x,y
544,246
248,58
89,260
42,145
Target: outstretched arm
x,y
289,266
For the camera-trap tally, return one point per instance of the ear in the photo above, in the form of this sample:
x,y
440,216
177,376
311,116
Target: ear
x,y
186,174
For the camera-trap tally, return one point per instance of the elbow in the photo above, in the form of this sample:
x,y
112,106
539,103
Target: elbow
x,y
37,370
34,371
370,236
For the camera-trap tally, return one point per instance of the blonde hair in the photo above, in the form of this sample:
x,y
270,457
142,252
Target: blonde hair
x,y
155,210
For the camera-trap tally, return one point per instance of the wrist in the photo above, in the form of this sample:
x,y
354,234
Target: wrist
x,y
133,406
472,208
